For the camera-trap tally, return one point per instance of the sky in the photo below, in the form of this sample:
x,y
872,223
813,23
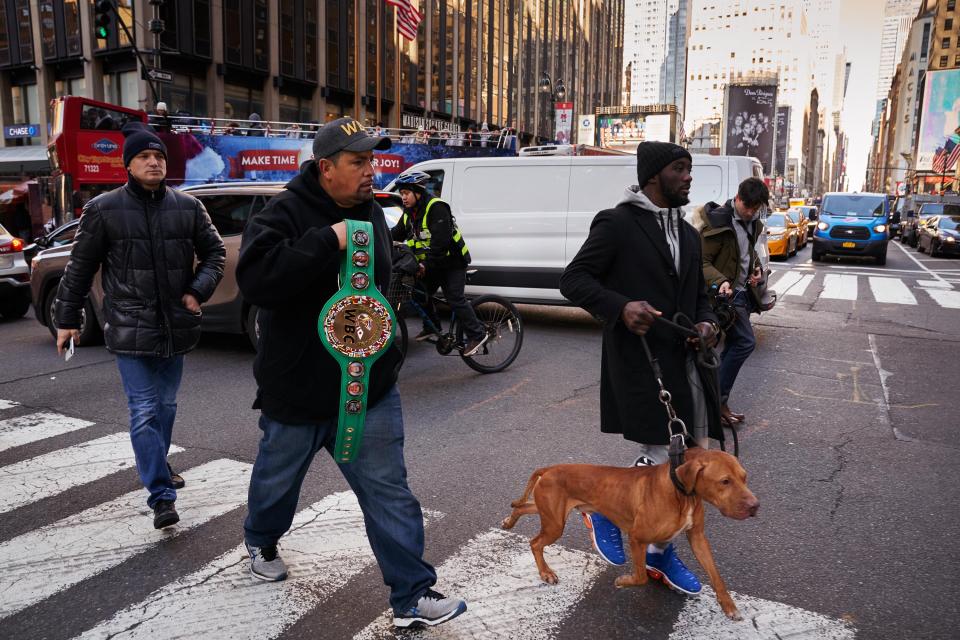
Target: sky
x,y
861,22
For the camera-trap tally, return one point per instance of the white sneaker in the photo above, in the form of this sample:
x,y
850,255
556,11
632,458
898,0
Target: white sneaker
x,y
431,609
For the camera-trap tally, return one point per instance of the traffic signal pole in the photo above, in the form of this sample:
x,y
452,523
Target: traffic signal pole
x,y
106,7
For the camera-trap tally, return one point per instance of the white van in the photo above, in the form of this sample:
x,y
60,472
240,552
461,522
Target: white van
x,y
524,219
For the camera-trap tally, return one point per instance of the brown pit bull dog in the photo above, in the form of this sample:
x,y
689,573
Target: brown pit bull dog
x,y
645,503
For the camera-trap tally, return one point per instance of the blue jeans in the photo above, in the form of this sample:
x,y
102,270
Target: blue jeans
x,y
377,476
151,386
739,343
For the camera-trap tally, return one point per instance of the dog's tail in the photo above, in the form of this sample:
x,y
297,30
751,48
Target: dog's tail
x,y
525,498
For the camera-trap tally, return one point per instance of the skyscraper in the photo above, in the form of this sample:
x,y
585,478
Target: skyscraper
x,y
898,15
655,42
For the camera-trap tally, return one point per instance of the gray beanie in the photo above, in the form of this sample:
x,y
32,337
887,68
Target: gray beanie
x,y
653,157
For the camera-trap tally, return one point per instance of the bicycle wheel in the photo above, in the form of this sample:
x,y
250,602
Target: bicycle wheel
x,y
504,334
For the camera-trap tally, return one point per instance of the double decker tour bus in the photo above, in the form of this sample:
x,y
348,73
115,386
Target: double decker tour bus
x,y
85,152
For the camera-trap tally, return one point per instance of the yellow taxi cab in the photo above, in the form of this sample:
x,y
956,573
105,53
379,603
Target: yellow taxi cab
x,y
782,237
798,216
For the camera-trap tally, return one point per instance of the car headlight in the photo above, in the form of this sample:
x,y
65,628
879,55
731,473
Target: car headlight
x,y
880,228
948,238
823,226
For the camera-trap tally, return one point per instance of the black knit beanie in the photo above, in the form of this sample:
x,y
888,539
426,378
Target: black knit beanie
x,y
140,137
653,157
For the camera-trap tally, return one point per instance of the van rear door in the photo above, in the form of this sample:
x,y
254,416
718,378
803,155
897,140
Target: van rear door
x,y
596,183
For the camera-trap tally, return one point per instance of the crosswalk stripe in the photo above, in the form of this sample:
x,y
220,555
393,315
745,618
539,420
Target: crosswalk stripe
x,y
52,473
946,299
839,287
891,290
792,283
936,284
325,547
496,574
8,404
15,432
47,560
762,620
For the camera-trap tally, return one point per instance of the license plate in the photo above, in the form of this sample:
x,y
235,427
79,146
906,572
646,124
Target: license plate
x,y
849,245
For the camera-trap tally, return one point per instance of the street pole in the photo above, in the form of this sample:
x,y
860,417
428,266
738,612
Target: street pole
x,y
380,60
396,78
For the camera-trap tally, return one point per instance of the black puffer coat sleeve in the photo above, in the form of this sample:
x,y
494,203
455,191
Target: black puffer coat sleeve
x,y
86,256
212,255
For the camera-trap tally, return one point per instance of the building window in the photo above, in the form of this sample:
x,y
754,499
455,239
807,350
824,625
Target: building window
x,y
26,108
948,24
187,26
956,60
16,33
122,89
187,95
287,38
295,109
245,42
943,61
951,5
240,101
118,36
945,43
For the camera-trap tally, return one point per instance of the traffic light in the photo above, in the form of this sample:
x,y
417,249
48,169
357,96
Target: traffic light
x,y
103,18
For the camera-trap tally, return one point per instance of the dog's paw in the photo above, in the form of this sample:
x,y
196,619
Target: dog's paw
x,y
549,577
507,523
733,614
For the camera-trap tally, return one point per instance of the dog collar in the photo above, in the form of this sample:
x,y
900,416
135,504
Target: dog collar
x,y
356,327
676,450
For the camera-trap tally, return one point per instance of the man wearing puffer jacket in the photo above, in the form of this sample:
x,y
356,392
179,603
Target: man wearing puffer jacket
x,y
143,237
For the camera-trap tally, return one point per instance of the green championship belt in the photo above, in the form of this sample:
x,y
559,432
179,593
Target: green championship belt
x,y
356,327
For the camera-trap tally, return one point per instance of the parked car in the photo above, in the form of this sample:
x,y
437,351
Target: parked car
x,y
800,218
14,277
910,218
229,205
810,213
524,219
927,211
782,235
853,224
941,234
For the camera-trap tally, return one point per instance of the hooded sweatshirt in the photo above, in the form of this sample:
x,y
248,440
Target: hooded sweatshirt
x,y
668,219
289,266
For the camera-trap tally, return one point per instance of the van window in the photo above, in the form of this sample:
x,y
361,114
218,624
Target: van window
x,y
435,184
485,189
231,212
707,185
853,205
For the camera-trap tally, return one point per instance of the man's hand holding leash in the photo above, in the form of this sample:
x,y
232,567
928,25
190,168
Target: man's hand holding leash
x,y
638,316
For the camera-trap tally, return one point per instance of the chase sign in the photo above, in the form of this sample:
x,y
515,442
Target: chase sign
x,y
21,131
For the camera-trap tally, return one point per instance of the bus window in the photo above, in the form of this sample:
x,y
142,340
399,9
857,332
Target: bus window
x,y
100,118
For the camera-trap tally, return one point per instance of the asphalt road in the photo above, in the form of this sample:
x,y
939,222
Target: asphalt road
x,y
850,445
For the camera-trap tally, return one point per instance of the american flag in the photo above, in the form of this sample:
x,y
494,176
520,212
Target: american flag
x,y
953,157
408,18
940,160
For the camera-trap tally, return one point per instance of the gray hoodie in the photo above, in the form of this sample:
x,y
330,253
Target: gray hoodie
x,y
668,219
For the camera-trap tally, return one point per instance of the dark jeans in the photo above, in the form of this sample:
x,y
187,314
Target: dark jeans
x,y
378,477
151,386
739,343
452,282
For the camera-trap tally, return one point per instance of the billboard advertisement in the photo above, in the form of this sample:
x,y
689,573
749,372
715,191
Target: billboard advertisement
x,y
564,123
200,158
624,131
783,140
586,129
750,122
939,117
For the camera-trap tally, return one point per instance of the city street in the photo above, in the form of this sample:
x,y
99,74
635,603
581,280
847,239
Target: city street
x,y
850,445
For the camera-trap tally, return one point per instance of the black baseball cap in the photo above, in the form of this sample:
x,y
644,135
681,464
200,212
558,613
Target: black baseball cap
x,y
346,134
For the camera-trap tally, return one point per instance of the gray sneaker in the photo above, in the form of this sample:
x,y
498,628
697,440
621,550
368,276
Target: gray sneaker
x,y
266,563
431,609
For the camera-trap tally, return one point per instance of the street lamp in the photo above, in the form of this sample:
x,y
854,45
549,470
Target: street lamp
x,y
554,93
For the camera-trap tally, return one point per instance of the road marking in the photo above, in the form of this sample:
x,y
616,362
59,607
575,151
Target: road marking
x,y
891,290
792,284
946,299
40,563
936,284
53,473
931,273
762,620
325,547
8,404
839,287
496,575
15,432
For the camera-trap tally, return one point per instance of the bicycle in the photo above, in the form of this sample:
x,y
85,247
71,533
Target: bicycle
x,y
500,318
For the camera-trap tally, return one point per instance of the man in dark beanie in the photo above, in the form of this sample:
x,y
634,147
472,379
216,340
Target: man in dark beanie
x,y
640,261
143,237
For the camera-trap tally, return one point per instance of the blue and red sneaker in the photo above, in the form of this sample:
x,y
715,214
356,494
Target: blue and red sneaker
x,y
667,568
606,538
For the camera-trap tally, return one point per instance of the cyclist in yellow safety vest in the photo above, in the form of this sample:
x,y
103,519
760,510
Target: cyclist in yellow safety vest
x,y
427,226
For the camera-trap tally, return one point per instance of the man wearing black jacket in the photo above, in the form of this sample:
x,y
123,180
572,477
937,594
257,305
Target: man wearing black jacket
x,y
641,261
143,237
289,265
427,226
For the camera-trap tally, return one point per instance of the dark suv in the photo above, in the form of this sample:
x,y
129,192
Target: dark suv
x,y
230,205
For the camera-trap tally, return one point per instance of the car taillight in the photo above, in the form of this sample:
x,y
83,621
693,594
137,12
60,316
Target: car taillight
x,y
14,246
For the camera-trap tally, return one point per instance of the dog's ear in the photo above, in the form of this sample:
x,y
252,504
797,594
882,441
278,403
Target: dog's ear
x,y
689,473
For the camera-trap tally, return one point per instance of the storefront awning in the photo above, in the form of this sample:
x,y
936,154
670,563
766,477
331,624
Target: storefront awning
x,y
22,160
